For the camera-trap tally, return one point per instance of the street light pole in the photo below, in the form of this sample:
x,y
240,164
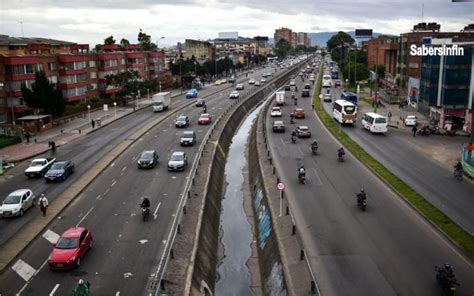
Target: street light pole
x,y
157,41
115,109
89,111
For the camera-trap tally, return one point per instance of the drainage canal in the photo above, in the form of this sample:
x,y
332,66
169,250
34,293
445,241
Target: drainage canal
x,y
234,277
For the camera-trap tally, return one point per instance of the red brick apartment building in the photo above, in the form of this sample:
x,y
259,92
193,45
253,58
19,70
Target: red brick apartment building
x,y
78,72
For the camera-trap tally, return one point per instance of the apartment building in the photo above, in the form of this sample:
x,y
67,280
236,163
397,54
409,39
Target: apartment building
x,y
282,33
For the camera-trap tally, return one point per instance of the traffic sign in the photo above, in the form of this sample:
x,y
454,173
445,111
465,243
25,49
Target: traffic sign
x,y
280,186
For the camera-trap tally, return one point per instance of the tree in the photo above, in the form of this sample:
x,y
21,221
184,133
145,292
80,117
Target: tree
x,y
123,43
357,64
338,45
109,40
44,96
145,41
282,48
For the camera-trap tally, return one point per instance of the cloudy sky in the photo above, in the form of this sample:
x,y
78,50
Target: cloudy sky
x,y
90,21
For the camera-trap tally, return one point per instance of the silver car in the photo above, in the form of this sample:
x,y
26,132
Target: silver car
x,y
17,202
178,161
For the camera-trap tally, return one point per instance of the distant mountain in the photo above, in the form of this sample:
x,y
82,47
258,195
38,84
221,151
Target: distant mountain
x,y
321,38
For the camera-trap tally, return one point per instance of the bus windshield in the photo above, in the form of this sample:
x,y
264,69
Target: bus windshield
x,y
349,109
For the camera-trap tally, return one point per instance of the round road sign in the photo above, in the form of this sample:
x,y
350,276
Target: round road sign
x,y
280,186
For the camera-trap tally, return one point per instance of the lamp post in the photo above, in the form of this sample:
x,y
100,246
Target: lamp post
x,y
157,41
89,111
115,109
195,68
160,85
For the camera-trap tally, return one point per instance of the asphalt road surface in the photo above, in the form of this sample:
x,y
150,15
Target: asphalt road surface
x,y
434,182
387,250
126,251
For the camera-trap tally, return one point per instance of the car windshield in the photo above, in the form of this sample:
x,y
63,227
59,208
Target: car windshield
x,y
37,163
67,243
303,128
58,166
177,157
205,116
147,155
181,118
187,135
12,199
411,117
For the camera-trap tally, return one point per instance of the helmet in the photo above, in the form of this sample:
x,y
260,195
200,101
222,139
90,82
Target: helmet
x,y
42,195
81,281
447,266
362,190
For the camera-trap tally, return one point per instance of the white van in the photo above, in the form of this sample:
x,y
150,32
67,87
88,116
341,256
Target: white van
x,y
375,123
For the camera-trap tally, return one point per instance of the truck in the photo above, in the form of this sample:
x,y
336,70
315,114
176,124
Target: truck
x,y
280,98
39,166
161,101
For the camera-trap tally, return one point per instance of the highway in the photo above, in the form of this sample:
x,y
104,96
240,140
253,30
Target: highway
x,y
387,250
126,251
424,174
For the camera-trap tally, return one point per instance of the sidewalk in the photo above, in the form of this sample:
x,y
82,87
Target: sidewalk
x,y
75,128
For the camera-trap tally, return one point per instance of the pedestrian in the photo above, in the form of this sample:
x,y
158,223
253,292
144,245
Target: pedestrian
x,y
312,106
414,130
389,116
53,146
93,123
43,204
27,136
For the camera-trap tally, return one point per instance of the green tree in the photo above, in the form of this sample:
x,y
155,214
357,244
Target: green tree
x,y
145,41
282,48
126,80
109,40
123,43
357,65
44,96
338,45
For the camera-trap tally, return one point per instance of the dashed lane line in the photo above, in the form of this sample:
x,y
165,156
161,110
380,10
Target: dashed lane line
x,y
51,236
54,290
24,269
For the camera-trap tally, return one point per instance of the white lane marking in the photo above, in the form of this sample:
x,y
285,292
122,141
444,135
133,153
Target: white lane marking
x,y
143,241
51,236
112,165
28,282
54,290
113,183
314,172
82,219
127,275
24,270
106,191
155,214
118,293
124,168
98,197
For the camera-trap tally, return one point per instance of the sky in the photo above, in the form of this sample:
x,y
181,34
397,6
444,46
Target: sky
x,y
91,21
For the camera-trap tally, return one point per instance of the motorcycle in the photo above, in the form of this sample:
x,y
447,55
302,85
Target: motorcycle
x,y
458,174
448,284
340,157
145,213
296,102
292,120
314,149
361,202
302,178
293,139
424,131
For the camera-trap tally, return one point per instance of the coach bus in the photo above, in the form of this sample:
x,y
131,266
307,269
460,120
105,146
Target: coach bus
x,y
344,112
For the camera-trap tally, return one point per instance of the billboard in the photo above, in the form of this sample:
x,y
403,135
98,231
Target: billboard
x,y
363,33
228,35
413,91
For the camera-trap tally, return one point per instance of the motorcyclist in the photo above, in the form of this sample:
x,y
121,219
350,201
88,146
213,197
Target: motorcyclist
x,y
445,275
314,145
81,289
340,152
296,101
293,136
145,203
458,167
361,196
292,118
301,172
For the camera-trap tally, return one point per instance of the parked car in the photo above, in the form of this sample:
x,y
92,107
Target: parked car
x,y
178,161
182,121
17,202
148,159
257,83
192,93
70,248
188,138
410,120
298,113
59,171
275,112
239,86
278,126
205,118
327,98
252,81
217,82
234,95
200,102
303,131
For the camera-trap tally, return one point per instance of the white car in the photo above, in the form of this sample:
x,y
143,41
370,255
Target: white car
x,y
224,80
263,80
239,86
276,112
234,95
17,202
252,81
410,120
257,83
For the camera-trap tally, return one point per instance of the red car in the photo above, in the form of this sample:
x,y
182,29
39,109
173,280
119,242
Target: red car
x,y
298,113
205,118
70,248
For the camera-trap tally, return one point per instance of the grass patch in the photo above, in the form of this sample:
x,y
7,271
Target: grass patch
x,y
7,141
430,212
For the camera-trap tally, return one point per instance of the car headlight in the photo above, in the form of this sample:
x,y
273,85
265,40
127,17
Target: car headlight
x,y
72,259
15,210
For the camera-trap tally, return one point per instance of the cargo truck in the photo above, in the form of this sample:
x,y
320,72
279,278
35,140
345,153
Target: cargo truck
x,y
161,101
280,98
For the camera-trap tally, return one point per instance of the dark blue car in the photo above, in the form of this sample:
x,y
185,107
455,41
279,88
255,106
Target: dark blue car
x,y
59,171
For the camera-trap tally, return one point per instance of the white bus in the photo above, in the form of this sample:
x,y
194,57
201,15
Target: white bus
x,y
344,111
375,123
327,80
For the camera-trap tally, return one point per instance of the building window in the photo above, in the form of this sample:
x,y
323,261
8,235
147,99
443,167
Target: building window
x,y
16,85
53,79
93,75
23,69
93,86
413,65
77,91
53,66
92,64
107,63
122,61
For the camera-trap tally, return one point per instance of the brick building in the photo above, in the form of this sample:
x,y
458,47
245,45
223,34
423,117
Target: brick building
x,y
282,33
383,51
78,72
